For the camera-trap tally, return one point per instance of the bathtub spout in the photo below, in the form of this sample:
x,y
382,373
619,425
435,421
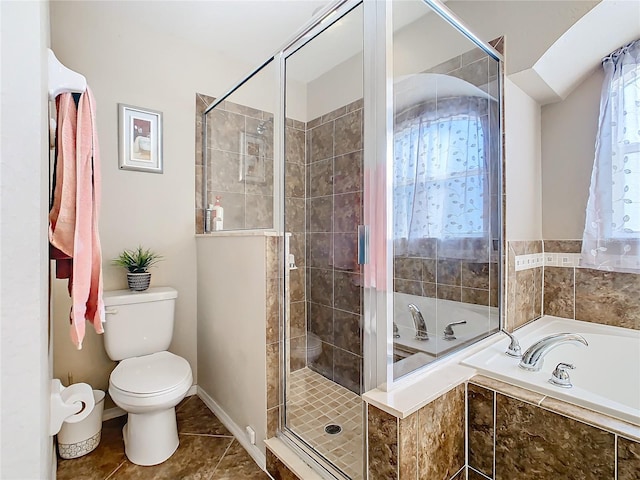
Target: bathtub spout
x,y
533,358
418,320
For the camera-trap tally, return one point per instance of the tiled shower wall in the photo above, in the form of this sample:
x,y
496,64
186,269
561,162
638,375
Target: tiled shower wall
x,y
334,211
233,132
295,181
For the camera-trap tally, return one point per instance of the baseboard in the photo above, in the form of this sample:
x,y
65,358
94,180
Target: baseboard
x,y
114,412
234,428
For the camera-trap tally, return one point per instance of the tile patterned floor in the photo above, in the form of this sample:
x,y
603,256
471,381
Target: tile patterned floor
x,y
207,451
313,402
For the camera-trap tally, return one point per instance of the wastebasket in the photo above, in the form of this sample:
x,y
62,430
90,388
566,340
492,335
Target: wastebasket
x,y
78,439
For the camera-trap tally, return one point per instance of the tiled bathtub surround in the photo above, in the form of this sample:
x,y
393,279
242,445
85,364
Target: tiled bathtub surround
x,y
611,298
450,279
334,211
524,287
515,433
238,137
428,444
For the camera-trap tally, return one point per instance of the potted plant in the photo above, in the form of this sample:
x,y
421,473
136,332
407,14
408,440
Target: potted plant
x,y
137,262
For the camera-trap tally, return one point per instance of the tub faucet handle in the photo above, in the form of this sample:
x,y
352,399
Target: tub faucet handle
x,y
560,376
449,334
396,332
513,350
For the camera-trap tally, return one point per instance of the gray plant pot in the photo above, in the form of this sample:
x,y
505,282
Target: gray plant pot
x,y
138,282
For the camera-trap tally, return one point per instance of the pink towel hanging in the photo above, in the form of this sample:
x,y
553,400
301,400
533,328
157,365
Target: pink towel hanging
x,y
74,214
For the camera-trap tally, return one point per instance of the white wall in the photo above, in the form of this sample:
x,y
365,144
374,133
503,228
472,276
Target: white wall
x,y
530,27
25,446
569,130
523,171
232,327
126,65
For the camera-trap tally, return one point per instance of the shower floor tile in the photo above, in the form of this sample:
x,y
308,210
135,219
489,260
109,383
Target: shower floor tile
x,y
313,402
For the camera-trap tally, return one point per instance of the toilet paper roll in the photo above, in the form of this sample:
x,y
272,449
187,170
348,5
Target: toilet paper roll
x,y
79,395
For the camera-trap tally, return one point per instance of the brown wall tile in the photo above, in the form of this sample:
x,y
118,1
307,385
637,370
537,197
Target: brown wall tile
x,y
473,475
475,275
559,291
611,298
532,443
347,369
628,459
383,444
348,173
563,246
480,428
348,133
273,421
408,447
321,142
448,292
461,475
277,469
273,375
441,436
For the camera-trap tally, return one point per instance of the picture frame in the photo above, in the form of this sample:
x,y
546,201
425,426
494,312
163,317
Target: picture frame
x,y
252,159
139,139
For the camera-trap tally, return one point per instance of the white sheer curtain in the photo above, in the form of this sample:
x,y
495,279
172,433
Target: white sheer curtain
x,y
441,175
611,239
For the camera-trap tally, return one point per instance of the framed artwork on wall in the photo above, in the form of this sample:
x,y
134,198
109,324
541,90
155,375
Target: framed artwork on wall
x,y
140,139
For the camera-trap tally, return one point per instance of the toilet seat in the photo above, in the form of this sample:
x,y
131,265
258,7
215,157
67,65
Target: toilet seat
x,y
151,375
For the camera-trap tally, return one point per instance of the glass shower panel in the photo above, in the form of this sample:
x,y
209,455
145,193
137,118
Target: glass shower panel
x,y
239,155
446,186
323,208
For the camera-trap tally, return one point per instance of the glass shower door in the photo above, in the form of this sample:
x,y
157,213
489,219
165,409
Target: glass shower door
x,y
323,186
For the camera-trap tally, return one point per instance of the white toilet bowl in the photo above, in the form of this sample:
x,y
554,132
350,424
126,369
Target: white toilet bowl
x,y
148,388
308,351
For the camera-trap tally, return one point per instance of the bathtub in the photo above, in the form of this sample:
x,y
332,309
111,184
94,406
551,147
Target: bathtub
x,y
607,374
481,321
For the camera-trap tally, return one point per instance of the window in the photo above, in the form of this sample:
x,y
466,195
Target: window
x,y
440,178
625,164
611,239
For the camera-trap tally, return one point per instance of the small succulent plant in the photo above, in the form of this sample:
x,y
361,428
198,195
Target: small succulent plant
x,y
138,260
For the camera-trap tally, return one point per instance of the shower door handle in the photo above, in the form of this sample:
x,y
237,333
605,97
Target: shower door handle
x,y
363,244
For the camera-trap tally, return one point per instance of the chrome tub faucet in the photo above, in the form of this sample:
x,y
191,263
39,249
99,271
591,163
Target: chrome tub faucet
x,y
533,358
513,350
449,334
418,321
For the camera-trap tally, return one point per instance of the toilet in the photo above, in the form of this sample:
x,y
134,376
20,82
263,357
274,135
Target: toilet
x,y
148,381
308,351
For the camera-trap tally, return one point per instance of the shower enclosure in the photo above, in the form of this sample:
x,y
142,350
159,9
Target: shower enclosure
x,y
371,144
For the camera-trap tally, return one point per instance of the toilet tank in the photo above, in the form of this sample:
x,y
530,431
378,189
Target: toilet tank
x,y
138,323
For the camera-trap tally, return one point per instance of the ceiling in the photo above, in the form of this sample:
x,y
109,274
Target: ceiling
x,y
246,30
250,31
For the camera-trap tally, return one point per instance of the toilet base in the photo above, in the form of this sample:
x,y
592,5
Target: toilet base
x,y
150,438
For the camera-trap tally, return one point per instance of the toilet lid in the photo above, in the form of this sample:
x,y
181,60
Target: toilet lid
x,y
150,373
